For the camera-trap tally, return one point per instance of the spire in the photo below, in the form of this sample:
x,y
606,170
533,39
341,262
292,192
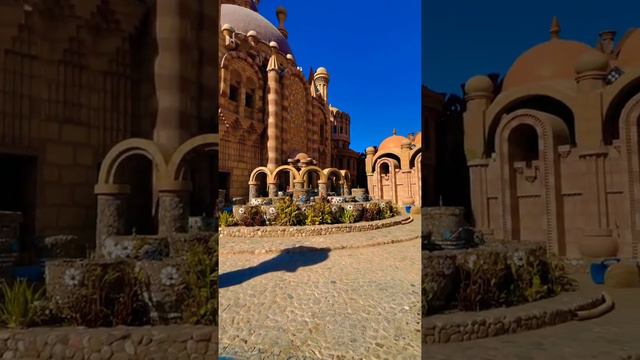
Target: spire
x,y
281,13
273,60
555,28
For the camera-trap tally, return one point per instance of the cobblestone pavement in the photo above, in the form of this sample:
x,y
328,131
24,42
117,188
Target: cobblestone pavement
x,y
608,337
250,245
343,304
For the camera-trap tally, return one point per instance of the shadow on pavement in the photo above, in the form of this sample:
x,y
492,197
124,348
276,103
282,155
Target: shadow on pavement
x,y
289,260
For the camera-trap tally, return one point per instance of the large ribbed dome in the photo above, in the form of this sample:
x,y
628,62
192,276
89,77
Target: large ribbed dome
x,y
552,60
244,20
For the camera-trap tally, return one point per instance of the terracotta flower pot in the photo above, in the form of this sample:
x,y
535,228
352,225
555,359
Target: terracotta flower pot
x,y
598,243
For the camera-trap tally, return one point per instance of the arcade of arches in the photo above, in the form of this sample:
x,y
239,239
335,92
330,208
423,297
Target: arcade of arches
x,y
556,148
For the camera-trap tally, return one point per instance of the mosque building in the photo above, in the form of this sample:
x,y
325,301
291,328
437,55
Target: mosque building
x,y
273,120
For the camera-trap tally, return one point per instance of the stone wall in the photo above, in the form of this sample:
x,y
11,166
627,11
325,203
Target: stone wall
x,y
311,230
442,222
478,326
166,342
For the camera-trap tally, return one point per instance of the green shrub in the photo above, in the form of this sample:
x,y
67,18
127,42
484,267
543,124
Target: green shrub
x,y
201,283
111,295
497,279
253,216
372,212
18,308
320,213
289,213
388,210
226,219
347,216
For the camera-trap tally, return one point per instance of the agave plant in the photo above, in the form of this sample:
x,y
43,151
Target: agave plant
x,y
226,219
289,213
18,308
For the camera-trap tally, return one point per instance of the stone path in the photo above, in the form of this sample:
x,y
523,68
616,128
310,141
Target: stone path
x,y
611,336
334,304
252,245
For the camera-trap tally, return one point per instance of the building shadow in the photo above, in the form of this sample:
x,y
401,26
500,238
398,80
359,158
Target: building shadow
x,y
289,260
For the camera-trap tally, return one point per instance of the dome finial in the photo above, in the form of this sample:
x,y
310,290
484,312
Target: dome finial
x,y
555,28
394,131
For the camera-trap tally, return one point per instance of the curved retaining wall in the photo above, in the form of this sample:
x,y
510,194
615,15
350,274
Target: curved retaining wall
x,y
162,342
478,326
312,230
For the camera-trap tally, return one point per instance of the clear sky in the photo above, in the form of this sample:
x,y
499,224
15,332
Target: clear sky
x,y
371,50
469,37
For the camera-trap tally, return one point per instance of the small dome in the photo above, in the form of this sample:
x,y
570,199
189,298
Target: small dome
x,y
245,20
551,60
302,156
479,84
371,150
418,139
629,55
592,61
393,142
321,71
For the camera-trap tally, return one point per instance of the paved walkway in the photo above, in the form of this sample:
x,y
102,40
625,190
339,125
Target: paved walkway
x,y
609,337
359,303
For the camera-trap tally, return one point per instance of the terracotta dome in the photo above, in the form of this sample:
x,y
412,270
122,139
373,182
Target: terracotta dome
x,y
478,84
592,61
629,55
552,60
302,156
244,20
393,142
418,139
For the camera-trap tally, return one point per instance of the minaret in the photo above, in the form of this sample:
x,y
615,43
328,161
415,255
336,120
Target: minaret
x,y
321,79
274,107
281,14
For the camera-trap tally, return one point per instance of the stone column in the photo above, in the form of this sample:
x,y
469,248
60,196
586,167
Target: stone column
x,y
173,208
273,98
322,188
345,188
273,189
111,215
174,69
298,189
253,190
479,203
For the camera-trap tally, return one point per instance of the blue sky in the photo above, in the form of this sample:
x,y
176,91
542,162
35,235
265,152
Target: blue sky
x,y
480,37
371,50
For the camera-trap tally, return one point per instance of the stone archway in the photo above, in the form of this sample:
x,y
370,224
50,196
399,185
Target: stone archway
x,y
551,132
387,180
329,172
322,178
292,173
629,128
112,194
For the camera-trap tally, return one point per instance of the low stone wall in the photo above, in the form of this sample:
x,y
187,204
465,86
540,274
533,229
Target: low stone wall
x,y
64,277
311,230
472,326
165,342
